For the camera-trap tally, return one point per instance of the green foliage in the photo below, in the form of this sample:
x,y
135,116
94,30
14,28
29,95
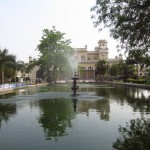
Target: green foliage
x,y
101,67
136,135
54,50
114,70
7,110
135,57
55,117
29,66
139,81
128,21
146,60
126,71
6,63
20,66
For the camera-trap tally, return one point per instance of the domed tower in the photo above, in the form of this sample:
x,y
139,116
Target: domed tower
x,y
102,49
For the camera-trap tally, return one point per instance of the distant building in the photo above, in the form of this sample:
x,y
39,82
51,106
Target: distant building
x,y
87,59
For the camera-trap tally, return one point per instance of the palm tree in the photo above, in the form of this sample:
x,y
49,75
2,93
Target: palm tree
x,y
19,66
24,68
28,67
5,61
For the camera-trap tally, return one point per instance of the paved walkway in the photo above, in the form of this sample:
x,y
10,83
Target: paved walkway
x,y
9,90
2,91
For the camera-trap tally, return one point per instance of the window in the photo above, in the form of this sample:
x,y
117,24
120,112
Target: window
x,y
82,58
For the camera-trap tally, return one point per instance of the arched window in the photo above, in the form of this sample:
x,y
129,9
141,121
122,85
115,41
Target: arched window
x,y
82,58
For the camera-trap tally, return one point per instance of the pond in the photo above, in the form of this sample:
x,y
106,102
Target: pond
x,y
100,117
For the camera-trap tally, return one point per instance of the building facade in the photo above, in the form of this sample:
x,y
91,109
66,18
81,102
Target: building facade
x,y
87,60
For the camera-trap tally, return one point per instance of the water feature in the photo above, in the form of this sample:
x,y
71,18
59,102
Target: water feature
x,y
74,85
98,117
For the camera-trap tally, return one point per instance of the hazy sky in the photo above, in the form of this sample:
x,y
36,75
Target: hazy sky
x,y
22,23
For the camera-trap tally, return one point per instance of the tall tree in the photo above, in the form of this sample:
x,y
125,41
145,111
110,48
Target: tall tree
x,y
54,50
101,67
114,70
128,21
135,57
126,71
55,117
6,60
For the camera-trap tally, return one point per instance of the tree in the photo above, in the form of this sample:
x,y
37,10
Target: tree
x,y
6,61
136,135
128,21
135,57
101,67
146,61
7,111
23,68
114,70
28,67
54,50
55,117
126,71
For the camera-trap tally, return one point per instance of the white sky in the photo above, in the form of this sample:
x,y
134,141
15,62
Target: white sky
x,y
22,23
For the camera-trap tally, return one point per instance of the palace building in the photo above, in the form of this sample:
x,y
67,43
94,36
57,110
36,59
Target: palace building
x,y
86,60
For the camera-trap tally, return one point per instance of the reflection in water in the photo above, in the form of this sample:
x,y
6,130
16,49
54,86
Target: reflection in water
x,y
7,111
56,114
55,117
135,136
8,95
104,110
86,121
74,105
139,99
140,93
101,106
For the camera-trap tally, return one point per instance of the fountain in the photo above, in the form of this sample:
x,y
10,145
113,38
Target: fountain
x,y
74,86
